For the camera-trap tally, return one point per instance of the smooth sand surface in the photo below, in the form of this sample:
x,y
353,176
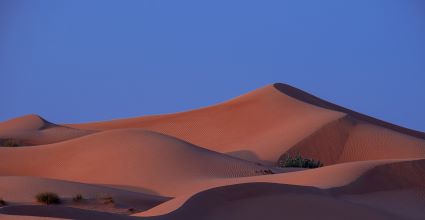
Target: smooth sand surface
x,y
341,179
22,190
22,217
272,201
35,130
258,126
218,162
132,157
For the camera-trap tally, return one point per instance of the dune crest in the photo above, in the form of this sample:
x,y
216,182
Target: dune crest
x,y
263,123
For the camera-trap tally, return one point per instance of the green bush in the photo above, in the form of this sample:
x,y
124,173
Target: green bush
x,y
10,143
48,198
298,161
78,198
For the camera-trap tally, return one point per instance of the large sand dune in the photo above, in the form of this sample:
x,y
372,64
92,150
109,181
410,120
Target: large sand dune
x,y
218,162
258,126
127,157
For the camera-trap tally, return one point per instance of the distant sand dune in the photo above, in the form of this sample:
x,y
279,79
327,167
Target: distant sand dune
x,y
34,130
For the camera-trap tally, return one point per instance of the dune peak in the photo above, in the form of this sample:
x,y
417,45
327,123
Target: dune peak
x,y
316,101
26,122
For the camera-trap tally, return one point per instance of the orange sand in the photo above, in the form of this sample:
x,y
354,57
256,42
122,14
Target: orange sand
x,y
215,163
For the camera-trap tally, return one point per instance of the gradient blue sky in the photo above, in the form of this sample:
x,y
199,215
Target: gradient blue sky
x,y
76,61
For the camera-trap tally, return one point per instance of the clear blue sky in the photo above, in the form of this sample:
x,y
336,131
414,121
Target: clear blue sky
x,y
76,61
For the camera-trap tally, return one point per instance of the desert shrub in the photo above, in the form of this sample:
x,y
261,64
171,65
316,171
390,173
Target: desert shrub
x,y
106,199
10,142
78,198
48,198
264,172
2,202
298,161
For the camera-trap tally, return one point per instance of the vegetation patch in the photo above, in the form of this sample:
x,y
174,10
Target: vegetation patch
x,y
298,161
132,210
10,142
48,198
78,198
106,199
2,202
264,172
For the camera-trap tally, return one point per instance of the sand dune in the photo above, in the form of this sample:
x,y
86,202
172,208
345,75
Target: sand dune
x,y
23,217
60,212
131,157
219,162
22,190
258,126
262,125
348,139
271,201
311,99
35,130
339,179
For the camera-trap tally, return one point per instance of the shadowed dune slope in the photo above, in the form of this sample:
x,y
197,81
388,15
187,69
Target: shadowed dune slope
x,y
257,126
341,179
270,201
132,157
403,175
35,130
311,99
348,139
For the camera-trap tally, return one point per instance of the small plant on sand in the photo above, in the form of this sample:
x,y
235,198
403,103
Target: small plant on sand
x,y
106,199
78,198
2,202
264,172
298,161
48,198
10,143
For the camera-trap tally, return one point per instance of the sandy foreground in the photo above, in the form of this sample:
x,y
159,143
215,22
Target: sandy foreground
x,y
217,162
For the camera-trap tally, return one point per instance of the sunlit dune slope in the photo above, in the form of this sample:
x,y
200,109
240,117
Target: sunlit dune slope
x,y
131,157
22,189
258,126
34,130
262,125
